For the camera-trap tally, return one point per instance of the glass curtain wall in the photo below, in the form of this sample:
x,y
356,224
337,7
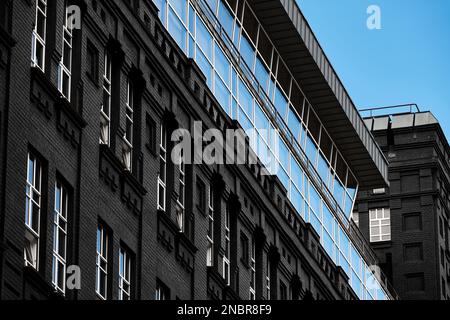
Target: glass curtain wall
x,y
253,85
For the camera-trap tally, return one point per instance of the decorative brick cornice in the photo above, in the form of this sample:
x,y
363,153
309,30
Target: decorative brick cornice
x,y
113,174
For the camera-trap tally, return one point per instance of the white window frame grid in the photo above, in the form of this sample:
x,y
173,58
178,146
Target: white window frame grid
x,y
124,275
271,95
194,52
129,127
276,64
162,176
253,271
37,39
182,193
60,220
210,233
33,198
272,76
105,112
226,257
267,277
102,258
379,218
66,70
332,173
160,294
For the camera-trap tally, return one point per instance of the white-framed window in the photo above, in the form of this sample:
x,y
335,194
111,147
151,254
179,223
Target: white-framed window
x,y
181,193
124,275
210,235
33,211
65,65
105,111
161,292
162,169
101,286
39,35
253,271
379,191
129,127
380,224
60,237
267,278
226,257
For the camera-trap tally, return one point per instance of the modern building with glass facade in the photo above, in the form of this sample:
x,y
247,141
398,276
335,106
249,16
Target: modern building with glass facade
x,y
250,79
111,202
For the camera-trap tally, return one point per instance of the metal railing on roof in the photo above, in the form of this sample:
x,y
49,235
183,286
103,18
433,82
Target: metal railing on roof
x,y
366,252
406,108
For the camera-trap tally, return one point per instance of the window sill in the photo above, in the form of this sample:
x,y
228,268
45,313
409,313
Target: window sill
x,y
381,244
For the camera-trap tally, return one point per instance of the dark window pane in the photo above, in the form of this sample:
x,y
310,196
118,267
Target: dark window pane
x,y
265,47
415,282
351,185
412,222
341,168
413,252
250,24
297,99
284,77
314,126
326,145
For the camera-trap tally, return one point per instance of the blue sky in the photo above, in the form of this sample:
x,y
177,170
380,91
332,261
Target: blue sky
x,y
407,61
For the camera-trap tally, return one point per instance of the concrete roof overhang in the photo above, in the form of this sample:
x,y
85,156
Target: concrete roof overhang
x,y
296,43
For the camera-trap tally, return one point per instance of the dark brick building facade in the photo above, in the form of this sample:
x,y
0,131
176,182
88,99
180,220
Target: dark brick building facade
x,y
415,255
106,207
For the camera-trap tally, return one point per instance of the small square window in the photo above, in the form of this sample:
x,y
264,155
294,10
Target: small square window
x,y
415,282
413,252
412,222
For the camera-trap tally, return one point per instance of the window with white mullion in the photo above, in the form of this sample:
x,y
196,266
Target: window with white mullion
x,y
105,112
181,194
32,211
176,25
267,278
60,237
210,235
253,271
161,292
380,224
101,286
39,35
129,113
129,127
124,275
226,257
162,169
65,65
